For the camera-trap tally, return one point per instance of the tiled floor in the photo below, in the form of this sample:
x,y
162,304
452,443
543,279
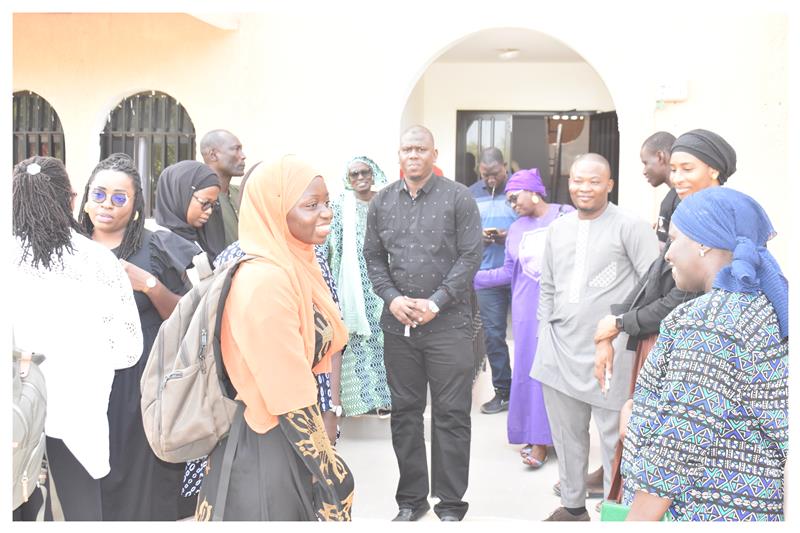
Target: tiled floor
x,y
501,488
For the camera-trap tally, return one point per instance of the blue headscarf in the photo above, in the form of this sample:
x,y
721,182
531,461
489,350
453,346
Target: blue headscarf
x,y
723,218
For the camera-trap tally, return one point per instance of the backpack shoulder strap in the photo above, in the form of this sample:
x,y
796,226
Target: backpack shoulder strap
x,y
224,379
203,265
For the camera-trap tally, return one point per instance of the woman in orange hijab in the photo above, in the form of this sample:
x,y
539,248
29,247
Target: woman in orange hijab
x,y
279,328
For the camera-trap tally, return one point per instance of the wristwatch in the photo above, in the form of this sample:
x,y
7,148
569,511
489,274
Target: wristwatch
x,y
618,322
337,410
150,283
432,307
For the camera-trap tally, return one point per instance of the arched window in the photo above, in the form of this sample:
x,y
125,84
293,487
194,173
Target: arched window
x,y
37,128
154,129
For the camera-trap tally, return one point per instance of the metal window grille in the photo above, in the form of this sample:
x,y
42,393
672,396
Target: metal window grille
x,y
155,130
37,128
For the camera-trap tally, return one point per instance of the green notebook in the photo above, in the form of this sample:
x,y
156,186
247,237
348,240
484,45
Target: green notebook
x,y
616,512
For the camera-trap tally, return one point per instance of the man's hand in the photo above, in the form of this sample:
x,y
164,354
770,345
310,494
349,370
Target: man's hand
x,y
422,313
603,359
606,329
403,310
500,237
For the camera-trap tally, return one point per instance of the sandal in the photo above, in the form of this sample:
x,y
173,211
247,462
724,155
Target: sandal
x,y
532,461
525,450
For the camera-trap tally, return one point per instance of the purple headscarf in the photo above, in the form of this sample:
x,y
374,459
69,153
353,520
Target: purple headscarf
x,y
526,180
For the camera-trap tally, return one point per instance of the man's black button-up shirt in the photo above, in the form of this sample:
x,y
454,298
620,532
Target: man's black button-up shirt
x,y
426,247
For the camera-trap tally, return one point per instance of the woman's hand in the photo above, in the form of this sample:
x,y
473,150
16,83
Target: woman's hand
x,y
331,422
624,418
137,275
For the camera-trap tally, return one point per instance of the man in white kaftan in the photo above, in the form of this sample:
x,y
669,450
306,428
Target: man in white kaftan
x,y
593,257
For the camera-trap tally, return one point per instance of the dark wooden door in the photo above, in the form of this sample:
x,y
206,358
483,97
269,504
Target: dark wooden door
x,y
604,140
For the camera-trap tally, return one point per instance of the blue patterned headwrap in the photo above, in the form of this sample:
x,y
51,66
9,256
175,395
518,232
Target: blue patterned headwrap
x,y
723,218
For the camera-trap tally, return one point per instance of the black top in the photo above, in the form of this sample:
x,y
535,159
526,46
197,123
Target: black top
x,y
668,205
651,300
426,247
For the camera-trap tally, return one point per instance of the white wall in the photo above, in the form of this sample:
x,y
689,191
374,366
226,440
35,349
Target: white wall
x,y
414,112
450,87
334,81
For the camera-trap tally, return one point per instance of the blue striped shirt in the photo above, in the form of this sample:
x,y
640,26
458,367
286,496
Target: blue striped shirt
x,y
495,213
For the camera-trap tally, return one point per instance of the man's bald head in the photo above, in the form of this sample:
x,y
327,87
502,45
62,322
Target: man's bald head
x,y
417,130
592,158
214,139
417,154
222,151
589,184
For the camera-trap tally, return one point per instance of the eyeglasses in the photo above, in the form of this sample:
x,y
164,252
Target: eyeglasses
x,y
205,205
118,199
356,173
511,199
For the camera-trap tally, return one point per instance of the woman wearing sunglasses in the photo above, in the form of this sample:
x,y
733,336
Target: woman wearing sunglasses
x,y
363,375
527,417
139,486
186,204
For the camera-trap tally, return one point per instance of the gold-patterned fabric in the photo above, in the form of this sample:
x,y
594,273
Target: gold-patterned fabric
x,y
333,486
304,431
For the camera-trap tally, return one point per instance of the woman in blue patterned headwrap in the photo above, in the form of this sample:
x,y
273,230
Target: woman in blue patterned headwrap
x,y
707,439
363,375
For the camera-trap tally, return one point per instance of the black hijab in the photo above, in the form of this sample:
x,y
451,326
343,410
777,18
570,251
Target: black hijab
x,y
709,148
176,185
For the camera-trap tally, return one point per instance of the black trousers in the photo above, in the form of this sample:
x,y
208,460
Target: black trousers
x,y
443,360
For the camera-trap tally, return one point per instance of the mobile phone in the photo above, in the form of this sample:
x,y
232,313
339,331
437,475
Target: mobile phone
x,y
490,231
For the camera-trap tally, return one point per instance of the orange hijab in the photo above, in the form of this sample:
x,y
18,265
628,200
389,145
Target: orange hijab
x,y
271,192
267,331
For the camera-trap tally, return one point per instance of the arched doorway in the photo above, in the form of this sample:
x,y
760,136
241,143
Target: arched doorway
x,y
522,91
155,130
36,128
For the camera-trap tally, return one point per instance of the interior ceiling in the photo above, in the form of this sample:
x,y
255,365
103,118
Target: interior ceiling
x,y
534,47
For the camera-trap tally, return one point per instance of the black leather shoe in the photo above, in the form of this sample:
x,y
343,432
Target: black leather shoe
x,y
449,518
407,514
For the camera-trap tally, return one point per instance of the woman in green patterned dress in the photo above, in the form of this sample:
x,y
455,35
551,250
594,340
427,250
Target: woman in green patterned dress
x,y
363,376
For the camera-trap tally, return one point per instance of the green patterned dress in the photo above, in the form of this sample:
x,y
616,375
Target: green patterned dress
x,y
363,377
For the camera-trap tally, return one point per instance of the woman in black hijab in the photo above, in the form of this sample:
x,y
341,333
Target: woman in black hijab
x,y
186,203
700,159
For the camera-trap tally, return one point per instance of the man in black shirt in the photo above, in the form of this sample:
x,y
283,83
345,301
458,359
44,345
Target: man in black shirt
x,y
423,246
654,154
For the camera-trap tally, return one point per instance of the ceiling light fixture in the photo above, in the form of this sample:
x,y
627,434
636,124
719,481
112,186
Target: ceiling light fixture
x,y
507,53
